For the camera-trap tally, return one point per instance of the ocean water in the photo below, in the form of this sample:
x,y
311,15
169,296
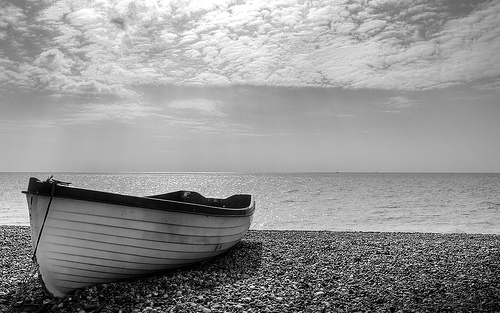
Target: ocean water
x,y
402,202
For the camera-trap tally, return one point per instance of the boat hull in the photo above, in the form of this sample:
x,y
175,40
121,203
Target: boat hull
x,y
81,243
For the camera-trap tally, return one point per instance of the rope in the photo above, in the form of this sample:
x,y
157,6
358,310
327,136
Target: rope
x,y
54,183
19,299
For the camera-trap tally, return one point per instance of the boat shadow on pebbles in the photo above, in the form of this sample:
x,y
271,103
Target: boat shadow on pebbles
x,y
184,285
240,262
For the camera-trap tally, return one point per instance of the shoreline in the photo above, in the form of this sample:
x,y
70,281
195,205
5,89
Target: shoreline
x,y
288,271
458,232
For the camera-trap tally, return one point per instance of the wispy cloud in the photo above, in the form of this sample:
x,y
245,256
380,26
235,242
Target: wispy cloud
x,y
98,112
200,106
398,104
210,127
342,115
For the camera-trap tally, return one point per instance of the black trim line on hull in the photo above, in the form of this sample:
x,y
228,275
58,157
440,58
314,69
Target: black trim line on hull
x,y
37,187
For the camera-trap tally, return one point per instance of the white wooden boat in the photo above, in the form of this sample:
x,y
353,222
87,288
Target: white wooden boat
x,y
85,237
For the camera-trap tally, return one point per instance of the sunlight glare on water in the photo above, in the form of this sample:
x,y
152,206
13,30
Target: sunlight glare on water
x,y
413,202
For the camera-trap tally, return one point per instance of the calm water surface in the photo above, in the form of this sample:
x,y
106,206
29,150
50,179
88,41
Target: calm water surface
x,y
408,202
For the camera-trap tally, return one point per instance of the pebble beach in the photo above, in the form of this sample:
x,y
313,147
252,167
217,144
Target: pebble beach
x,y
287,271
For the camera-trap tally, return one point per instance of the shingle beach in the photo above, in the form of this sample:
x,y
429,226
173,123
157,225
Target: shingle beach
x,y
287,271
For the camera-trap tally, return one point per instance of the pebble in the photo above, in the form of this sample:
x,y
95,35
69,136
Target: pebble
x,y
290,271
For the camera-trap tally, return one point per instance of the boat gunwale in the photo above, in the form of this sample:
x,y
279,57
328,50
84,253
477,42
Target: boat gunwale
x,y
39,188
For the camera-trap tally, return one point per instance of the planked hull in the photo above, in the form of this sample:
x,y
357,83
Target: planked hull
x,y
80,243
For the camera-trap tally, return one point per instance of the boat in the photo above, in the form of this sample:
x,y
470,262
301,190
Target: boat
x,y
84,237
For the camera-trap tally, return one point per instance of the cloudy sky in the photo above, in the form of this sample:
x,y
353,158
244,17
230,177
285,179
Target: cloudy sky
x,y
250,86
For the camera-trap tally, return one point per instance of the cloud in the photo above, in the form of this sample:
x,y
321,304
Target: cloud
x,y
11,18
466,45
54,61
123,44
87,16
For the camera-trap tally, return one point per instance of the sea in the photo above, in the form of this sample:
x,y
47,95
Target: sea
x,y
367,202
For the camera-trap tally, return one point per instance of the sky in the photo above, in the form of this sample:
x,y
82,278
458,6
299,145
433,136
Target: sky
x,y
250,86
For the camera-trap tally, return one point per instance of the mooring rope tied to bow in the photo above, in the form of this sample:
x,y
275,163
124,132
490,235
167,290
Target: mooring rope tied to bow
x,y
53,183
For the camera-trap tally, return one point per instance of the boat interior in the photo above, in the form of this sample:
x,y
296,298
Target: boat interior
x,y
235,201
